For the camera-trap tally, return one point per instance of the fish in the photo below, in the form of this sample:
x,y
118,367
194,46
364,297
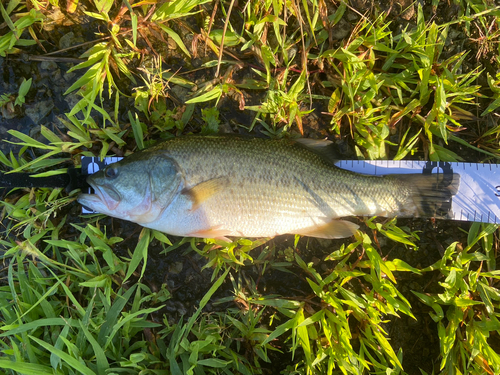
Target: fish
x,y
229,186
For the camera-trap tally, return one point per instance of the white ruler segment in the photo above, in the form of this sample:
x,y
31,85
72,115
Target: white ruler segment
x,y
478,197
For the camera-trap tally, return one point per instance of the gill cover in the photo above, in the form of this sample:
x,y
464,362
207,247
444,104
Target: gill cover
x,y
165,180
138,188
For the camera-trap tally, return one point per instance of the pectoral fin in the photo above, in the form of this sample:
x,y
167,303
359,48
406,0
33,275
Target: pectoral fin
x,y
330,230
205,190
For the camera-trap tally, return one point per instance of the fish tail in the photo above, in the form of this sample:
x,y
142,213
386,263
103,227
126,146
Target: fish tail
x,y
431,194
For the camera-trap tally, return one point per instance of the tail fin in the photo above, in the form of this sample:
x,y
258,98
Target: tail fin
x,y
431,193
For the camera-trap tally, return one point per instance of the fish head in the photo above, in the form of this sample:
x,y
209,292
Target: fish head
x,y
137,188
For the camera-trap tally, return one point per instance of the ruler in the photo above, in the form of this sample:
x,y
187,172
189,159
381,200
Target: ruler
x,y
477,199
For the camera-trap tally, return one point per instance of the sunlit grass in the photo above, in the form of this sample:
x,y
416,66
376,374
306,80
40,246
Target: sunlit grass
x,y
73,293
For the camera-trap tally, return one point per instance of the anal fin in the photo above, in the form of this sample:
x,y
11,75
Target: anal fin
x,y
331,230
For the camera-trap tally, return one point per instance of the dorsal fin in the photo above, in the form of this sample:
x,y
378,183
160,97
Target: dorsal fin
x,y
321,147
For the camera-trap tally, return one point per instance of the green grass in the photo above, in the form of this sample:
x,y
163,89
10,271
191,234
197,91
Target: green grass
x,y
77,295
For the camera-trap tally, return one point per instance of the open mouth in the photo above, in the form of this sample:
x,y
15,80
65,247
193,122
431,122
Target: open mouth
x,y
104,197
91,202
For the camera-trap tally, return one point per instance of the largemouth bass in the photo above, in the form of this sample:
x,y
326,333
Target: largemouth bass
x,y
219,186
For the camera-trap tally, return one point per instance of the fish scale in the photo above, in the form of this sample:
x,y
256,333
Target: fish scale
x,y
271,184
219,186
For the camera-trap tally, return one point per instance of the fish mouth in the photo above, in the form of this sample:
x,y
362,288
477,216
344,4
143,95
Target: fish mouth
x,y
91,202
104,199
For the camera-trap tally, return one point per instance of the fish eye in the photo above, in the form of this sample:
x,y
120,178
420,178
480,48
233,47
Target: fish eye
x,y
111,172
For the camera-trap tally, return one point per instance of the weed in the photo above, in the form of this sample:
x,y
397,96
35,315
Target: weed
x,y
76,297
467,311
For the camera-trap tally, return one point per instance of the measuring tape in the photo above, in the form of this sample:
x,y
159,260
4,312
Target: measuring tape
x,y
477,199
